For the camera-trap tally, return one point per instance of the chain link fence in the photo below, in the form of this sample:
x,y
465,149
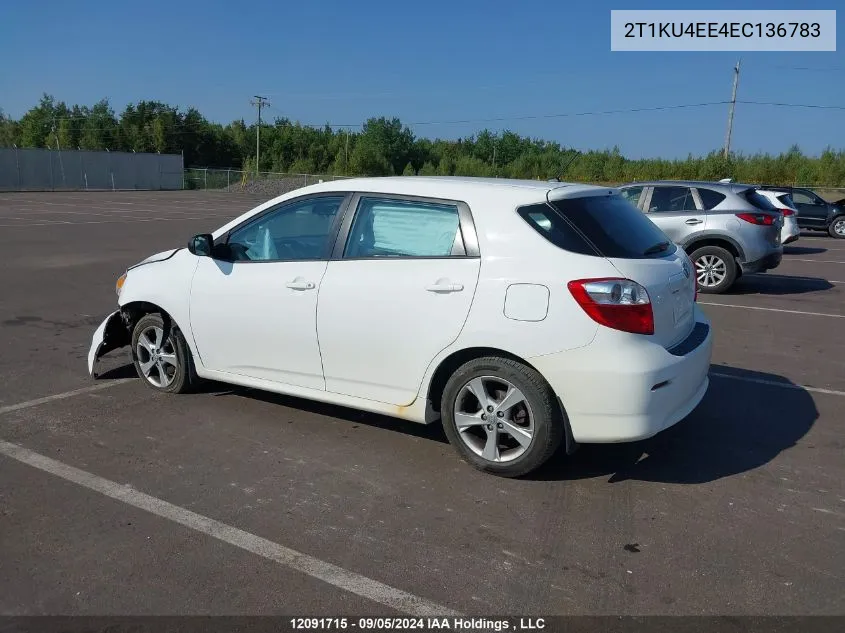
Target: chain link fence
x,y
266,183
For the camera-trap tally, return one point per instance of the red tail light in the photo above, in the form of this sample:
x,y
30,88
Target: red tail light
x,y
620,304
787,212
761,219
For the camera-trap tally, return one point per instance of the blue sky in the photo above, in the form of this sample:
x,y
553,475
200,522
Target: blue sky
x,y
342,62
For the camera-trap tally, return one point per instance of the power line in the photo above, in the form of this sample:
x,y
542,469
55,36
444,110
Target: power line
x,y
794,105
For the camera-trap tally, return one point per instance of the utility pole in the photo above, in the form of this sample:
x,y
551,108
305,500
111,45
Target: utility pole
x,y
259,102
731,111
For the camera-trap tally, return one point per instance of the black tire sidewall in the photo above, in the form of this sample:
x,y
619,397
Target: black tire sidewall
x,y
181,380
730,268
548,425
830,230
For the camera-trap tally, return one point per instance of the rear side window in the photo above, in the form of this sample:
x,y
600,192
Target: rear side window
x,y
399,228
759,200
709,198
604,225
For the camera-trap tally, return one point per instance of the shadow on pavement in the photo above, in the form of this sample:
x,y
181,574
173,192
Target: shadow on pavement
x,y
740,425
803,250
780,285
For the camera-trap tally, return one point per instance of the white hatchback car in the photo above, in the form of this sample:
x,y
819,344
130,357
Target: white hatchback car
x,y
783,201
524,314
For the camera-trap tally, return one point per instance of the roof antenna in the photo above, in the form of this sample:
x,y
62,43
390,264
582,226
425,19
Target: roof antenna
x,y
565,167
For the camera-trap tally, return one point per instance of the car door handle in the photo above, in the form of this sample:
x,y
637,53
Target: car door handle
x,y
694,221
301,285
444,287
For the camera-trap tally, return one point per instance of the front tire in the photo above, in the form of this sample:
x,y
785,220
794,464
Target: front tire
x,y
715,269
161,355
501,416
837,227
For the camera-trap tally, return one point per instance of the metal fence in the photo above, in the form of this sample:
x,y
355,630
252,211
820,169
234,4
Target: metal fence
x,y
265,182
34,169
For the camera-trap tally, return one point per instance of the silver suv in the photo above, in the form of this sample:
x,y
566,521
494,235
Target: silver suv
x,y
726,228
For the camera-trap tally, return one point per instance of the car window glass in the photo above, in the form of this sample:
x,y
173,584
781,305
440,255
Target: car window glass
x,y
709,198
786,199
758,200
671,199
295,231
803,198
552,226
612,225
402,228
632,194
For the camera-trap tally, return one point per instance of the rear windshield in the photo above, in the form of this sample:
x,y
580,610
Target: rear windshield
x,y
609,226
758,200
786,199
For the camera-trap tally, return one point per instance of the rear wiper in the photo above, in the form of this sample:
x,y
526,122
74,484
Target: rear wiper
x,y
657,248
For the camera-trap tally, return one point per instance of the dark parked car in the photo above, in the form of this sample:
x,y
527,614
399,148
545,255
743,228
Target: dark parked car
x,y
815,213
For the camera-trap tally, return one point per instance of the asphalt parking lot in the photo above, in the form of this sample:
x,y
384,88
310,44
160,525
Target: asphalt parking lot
x,y
116,500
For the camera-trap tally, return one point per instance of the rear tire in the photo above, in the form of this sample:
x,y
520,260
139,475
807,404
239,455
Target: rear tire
x,y
715,269
837,227
512,426
161,356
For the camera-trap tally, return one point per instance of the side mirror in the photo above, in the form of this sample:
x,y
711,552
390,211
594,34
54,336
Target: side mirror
x,y
201,245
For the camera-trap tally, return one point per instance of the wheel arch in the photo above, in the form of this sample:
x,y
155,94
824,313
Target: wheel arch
x,y
132,311
449,364
720,240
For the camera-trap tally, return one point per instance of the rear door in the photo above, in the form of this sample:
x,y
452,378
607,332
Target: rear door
x,y
674,209
397,292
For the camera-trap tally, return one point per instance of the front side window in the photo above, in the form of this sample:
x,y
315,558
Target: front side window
x,y
295,231
402,228
804,197
671,200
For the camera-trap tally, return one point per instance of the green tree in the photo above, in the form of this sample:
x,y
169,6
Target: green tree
x,y
409,170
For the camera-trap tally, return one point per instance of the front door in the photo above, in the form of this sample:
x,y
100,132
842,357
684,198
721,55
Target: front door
x,y
812,210
253,306
396,294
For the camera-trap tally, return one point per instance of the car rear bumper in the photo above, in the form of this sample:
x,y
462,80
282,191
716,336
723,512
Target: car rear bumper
x,y
623,387
790,231
770,261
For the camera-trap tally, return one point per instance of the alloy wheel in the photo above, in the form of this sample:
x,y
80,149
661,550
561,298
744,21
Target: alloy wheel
x,y
710,271
494,419
157,357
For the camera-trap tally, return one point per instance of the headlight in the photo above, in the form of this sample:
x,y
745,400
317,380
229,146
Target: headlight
x,y
118,286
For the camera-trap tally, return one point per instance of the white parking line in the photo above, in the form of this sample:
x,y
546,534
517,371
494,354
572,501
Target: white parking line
x,y
733,305
327,572
820,261
774,383
62,396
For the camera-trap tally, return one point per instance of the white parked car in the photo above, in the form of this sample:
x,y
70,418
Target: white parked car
x,y
783,201
523,314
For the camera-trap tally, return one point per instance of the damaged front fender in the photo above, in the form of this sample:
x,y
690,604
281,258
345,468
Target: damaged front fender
x,y
110,335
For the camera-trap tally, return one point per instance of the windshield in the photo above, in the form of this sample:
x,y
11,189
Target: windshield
x,y
615,227
759,200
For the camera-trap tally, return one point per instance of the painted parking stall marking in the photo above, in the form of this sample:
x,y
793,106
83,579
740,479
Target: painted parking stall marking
x,y
327,572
